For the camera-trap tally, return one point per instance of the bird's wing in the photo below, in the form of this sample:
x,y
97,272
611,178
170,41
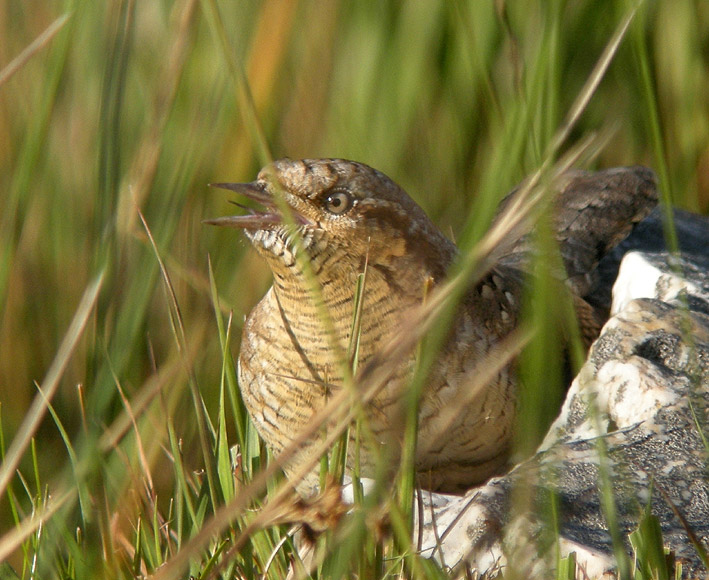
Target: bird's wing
x,y
593,212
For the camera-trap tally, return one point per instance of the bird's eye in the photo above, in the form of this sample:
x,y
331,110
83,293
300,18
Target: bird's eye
x,y
338,202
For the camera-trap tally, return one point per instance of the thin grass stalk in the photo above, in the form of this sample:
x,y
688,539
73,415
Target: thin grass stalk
x,y
78,470
116,199
11,498
33,48
407,470
109,142
26,167
145,162
224,465
29,525
693,538
594,80
50,384
245,98
340,450
203,428
228,370
607,498
639,47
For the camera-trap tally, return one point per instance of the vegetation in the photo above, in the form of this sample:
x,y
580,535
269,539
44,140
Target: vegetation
x,y
126,450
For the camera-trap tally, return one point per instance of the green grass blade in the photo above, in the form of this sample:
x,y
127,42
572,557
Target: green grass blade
x,y
50,383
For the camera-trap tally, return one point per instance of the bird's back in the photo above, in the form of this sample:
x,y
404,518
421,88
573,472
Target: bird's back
x,y
467,421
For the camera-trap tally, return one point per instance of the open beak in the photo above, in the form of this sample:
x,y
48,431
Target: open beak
x,y
254,220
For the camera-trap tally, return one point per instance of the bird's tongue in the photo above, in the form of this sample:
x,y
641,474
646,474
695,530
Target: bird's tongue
x,y
254,220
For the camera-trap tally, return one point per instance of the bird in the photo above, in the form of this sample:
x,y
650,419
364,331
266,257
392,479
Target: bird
x,y
324,222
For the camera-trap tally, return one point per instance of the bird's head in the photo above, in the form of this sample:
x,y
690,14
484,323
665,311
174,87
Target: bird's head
x,y
341,213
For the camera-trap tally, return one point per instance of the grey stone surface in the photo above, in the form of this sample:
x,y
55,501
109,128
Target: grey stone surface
x,y
635,418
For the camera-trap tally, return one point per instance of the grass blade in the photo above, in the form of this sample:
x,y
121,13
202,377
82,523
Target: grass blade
x,y
50,384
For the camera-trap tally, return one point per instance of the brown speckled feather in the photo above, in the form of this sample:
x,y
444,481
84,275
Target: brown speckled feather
x,y
346,214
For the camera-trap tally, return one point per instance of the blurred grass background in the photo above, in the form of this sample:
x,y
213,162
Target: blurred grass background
x,y
133,105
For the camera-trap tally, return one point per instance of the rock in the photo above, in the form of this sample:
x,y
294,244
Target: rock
x,y
662,276
649,238
634,421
